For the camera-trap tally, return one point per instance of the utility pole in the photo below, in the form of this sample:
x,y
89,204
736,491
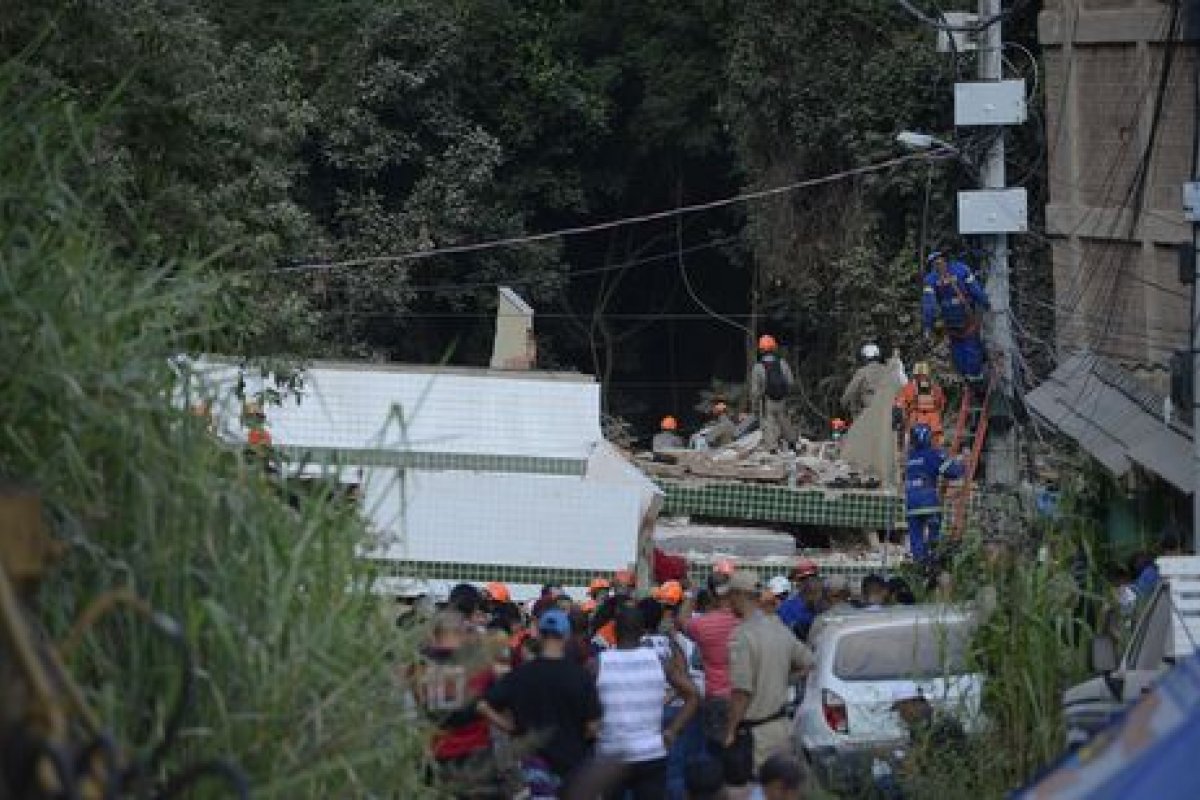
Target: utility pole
x,y
1001,451
1195,343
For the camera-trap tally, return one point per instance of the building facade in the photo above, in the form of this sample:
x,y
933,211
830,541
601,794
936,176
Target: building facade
x,y
1120,116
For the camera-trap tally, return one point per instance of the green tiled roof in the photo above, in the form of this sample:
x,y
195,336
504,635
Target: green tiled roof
x,y
841,508
482,573
832,508
699,572
535,575
474,462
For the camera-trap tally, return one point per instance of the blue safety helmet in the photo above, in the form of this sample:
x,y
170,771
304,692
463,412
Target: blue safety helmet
x,y
922,436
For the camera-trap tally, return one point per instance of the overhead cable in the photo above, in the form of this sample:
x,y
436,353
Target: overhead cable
x,y
513,241
687,283
974,27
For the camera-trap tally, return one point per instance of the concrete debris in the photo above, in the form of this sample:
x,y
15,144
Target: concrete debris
x,y
881,560
701,542
813,464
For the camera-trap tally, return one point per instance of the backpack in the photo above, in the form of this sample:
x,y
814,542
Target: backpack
x,y
777,385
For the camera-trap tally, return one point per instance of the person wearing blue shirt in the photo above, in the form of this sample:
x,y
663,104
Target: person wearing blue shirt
x,y
926,465
795,613
803,606
1147,575
952,293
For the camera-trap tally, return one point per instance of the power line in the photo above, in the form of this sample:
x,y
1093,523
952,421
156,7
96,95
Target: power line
x,y
1037,74
974,27
514,241
666,316
577,273
687,284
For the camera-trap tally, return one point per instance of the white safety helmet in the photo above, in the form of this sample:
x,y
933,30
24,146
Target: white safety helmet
x,y
870,352
779,585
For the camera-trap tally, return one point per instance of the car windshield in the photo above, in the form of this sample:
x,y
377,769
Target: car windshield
x,y
903,652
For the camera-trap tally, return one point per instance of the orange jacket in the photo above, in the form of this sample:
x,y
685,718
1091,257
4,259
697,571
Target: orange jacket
x,y
919,404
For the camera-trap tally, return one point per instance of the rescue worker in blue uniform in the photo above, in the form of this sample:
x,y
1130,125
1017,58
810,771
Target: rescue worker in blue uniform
x,y
953,293
926,465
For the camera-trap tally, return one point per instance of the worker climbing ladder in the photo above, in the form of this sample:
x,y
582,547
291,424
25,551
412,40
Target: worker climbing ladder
x,y
970,434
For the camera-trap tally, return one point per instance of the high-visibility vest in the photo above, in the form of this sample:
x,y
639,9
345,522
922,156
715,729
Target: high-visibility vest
x,y
927,398
922,404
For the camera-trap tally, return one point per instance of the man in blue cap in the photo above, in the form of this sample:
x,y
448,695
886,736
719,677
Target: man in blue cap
x,y
552,701
952,293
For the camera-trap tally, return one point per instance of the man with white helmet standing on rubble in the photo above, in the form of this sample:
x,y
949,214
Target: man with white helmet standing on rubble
x,y
867,380
770,382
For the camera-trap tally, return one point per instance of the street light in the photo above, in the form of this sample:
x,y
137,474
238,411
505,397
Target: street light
x,y
923,141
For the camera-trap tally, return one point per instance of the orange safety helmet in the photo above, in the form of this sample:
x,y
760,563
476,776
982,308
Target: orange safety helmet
x,y
498,592
669,423
670,593
624,577
258,437
598,584
767,343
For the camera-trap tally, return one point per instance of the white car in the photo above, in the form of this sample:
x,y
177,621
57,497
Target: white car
x,y
866,660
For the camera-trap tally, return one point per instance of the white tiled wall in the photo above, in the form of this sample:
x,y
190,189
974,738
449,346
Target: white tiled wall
x,y
505,518
432,412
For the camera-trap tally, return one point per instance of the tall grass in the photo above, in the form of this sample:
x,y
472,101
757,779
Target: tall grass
x,y
294,675
1030,646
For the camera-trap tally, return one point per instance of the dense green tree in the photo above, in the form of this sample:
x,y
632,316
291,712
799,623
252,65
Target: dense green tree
x,y
295,133
818,88
201,138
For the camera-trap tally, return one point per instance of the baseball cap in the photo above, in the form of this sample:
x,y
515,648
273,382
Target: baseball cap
x,y
742,581
555,623
779,585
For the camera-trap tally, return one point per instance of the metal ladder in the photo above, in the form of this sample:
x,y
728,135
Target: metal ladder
x,y
970,432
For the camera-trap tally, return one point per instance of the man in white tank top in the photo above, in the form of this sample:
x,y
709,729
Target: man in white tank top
x,y
633,682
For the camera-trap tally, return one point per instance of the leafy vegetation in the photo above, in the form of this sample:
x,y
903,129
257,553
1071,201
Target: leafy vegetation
x,y
266,134
160,162
1039,612
295,682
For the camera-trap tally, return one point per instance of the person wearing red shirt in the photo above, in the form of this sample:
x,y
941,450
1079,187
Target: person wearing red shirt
x,y
453,674
712,633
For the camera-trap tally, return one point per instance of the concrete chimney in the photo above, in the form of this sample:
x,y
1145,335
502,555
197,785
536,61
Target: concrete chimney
x,y
515,346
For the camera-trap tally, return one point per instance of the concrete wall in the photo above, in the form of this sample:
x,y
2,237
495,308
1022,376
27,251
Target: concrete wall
x,y
1116,285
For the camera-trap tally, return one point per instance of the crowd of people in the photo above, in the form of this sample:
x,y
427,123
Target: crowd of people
x,y
679,692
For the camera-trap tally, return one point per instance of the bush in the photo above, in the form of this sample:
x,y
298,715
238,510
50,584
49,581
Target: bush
x,y
294,674
1031,646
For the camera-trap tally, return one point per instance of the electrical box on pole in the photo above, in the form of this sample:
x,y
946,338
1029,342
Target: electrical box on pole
x,y
993,211
990,103
1191,201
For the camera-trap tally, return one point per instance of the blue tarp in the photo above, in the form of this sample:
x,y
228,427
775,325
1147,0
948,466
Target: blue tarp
x,y
1151,751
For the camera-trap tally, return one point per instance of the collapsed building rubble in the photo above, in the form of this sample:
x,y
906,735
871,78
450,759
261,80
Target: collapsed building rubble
x,y
766,550
814,464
